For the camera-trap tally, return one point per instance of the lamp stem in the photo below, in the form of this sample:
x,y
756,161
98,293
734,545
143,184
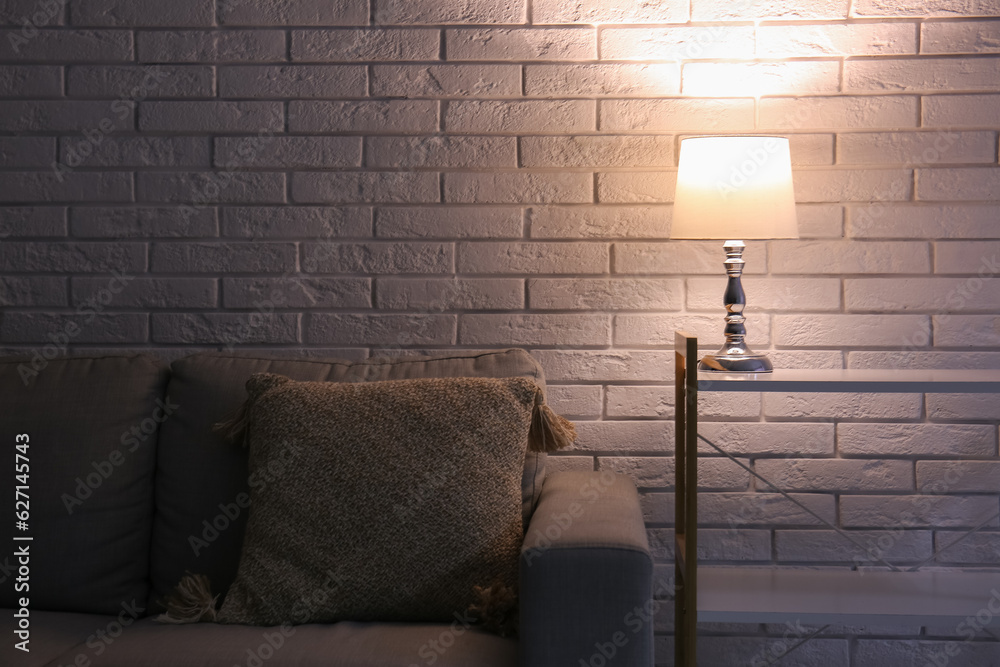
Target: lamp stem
x,y
735,355
735,297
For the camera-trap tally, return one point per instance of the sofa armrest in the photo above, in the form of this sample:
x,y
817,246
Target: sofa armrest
x,y
586,575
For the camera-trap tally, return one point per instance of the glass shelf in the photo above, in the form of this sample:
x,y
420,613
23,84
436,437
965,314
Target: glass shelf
x,y
855,380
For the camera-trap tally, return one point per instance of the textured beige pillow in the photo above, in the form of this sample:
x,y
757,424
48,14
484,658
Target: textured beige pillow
x,y
387,501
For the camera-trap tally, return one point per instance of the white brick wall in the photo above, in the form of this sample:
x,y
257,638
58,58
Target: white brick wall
x,y
437,174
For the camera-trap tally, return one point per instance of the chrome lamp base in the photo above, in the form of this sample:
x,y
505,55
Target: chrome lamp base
x,y
736,363
735,355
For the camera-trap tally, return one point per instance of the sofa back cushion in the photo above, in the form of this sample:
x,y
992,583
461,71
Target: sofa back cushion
x,y
92,425
202,487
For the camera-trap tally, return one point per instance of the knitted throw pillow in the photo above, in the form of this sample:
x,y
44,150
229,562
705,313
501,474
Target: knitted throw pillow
x,y
390,501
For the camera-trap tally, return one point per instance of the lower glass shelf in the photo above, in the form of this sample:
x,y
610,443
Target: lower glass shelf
x,y
852,597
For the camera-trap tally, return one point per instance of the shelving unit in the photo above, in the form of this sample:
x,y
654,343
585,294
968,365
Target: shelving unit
x,y
775,595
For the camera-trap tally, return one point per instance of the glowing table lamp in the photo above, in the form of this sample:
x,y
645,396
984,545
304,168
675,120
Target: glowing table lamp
x,y
734,188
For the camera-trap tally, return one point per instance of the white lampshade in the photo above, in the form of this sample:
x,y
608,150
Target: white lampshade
x,y
734,188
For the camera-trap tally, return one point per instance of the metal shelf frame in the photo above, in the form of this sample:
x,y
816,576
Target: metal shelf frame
x,y
775,594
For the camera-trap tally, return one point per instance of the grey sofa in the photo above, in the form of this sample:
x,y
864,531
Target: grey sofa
x,y
129,488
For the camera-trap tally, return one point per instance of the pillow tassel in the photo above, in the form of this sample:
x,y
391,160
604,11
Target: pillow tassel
x,y
191,601
549,432
234,428
496,608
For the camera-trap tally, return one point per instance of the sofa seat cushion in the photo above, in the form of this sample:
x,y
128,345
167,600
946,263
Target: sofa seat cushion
x,y
92,430
202,489
55,634
345,644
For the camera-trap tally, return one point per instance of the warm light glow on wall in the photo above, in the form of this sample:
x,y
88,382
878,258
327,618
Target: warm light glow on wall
x,y
721,80
747,79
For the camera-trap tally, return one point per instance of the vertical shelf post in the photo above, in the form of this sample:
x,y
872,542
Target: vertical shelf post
x,y
685,499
